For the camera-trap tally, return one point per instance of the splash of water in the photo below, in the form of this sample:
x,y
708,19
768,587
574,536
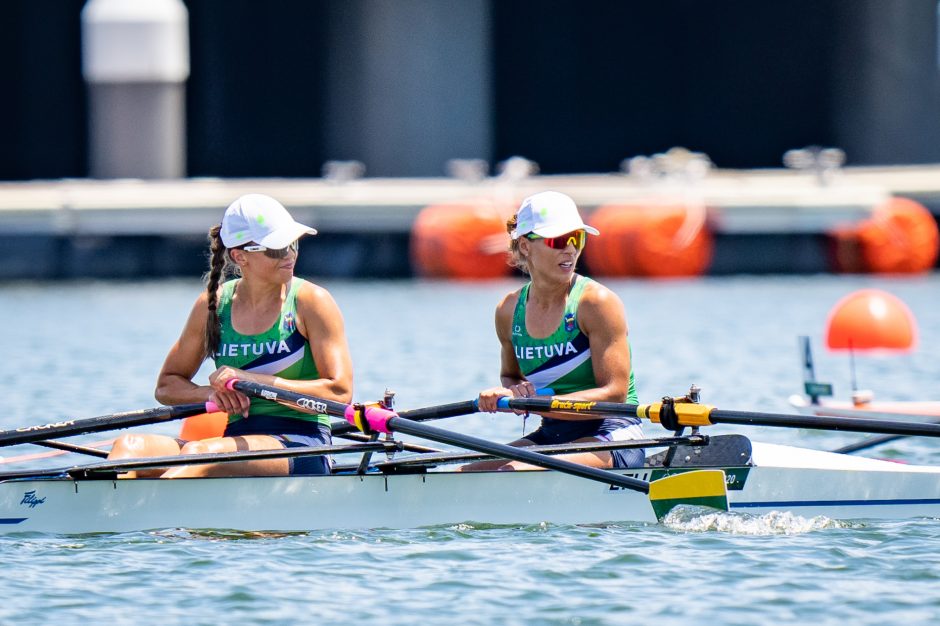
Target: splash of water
x,y
690,519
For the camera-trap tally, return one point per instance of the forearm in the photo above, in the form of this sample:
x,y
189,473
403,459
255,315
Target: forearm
x,y
175,389
329,388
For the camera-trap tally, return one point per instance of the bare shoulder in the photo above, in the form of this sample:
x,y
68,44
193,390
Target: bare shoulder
x,y
504,312
200,310
508,303
600,305
507,306
314,297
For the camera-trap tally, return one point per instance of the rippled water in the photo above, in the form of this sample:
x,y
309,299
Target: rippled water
x,y
83,349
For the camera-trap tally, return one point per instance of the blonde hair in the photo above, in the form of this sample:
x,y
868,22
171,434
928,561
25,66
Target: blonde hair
x,y
515,258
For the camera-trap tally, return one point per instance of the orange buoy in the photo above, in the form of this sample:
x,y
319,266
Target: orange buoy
x,y
653,240
465,240
203,426
900,237
871,319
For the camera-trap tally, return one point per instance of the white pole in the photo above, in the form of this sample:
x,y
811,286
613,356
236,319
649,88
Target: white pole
x,y
135,60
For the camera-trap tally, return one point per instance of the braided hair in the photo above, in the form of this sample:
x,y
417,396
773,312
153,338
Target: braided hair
x,y
221,267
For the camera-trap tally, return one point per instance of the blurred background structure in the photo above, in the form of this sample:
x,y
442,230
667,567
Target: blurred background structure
x,y
302,89
278,88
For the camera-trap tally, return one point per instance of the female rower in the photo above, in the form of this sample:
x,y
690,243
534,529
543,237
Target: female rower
x,y
563,332
265,325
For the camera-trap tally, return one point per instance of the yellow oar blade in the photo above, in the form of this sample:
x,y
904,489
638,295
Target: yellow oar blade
x,y
698,487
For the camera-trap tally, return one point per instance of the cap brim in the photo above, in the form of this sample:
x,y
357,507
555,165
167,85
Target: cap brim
x,y
283,237
561,229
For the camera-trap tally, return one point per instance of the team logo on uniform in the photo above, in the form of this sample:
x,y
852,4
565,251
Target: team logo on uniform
x,y
289,323
569,322
517,330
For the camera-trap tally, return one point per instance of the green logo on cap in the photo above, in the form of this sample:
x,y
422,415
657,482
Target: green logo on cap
x,y
260,219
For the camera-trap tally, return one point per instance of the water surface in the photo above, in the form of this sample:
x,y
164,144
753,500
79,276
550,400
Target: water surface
x,y
80,349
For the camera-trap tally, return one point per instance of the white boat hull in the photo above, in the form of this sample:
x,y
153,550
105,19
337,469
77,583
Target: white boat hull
x,y
900,411
782,478
314,502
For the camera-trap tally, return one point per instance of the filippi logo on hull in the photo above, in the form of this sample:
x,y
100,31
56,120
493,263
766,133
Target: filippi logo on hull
x,y
31,500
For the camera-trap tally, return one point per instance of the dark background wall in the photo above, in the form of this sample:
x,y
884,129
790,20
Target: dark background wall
x,y
741,81
575,86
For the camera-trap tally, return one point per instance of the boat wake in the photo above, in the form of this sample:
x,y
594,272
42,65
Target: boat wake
x,y
697,519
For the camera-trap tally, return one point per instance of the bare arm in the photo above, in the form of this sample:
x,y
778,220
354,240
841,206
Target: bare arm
x,y
175,382
510,375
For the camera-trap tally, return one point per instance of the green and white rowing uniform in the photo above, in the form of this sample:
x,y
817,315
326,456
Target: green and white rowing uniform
x,y
562,362
280,351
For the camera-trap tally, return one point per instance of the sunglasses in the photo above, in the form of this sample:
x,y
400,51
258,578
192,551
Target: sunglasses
x,y
576,238
273,253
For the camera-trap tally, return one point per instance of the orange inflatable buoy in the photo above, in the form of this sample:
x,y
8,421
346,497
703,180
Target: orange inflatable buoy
x,y
652,240
901,237
871,319
203,426
465,240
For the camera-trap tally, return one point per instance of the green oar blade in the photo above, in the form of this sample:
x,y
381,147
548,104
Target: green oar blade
x,y
698,487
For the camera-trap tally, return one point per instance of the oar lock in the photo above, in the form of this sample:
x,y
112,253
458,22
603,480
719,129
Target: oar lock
x,y
675,413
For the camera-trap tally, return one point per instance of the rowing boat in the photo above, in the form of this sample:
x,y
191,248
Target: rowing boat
x,y
815,400
725,472
761,477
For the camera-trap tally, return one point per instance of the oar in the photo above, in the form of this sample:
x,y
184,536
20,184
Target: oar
x,y
125,465
693,414
703,487
22,458
454,409
865,444
32,434
71,447
871,442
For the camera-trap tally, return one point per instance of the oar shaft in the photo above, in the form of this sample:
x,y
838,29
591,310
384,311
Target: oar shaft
x,y
849,424
453,409
70,447
692,414
31,434
406,426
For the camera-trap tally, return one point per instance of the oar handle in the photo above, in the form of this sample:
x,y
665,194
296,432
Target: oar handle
x,y
367,418
503,403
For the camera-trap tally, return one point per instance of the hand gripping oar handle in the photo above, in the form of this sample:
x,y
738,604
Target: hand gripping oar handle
x,y
29,434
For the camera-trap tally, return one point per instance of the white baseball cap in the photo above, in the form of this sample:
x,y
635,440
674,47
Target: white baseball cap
x,y
549,214
263,220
